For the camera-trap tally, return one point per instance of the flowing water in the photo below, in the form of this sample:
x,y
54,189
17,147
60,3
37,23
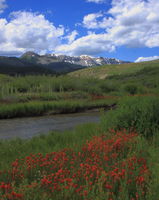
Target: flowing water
x,y
28,127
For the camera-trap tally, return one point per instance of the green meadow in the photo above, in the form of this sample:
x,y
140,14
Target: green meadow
x,y
39,95
116,159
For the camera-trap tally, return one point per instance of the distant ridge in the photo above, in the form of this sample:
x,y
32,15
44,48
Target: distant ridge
x,y
33,63
22,66
15,66
83,60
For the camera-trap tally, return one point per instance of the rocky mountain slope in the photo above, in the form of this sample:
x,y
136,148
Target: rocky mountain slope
x,y
15,66
31,63
83,60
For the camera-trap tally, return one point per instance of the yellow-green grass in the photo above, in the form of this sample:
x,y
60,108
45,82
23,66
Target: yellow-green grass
x,y
105,71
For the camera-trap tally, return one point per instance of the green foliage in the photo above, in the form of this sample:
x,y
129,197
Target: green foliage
x,y
37,95
54,141
34,91
131,89
36,108
107,71
108,86
139,113
46,94
144,81
24,70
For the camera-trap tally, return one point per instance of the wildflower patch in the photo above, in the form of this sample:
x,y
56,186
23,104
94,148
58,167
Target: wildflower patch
x,y
105,167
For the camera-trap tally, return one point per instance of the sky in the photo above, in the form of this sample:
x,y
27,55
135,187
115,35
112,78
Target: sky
x,y
123,29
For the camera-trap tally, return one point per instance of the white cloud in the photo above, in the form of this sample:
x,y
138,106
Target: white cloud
x,y
3,5
134,25
28,31
128,23
143,59
71,36
91,44
96,1
2,31
97,21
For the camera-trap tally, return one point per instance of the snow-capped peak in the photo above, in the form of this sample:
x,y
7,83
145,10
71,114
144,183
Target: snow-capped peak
x,y
83,60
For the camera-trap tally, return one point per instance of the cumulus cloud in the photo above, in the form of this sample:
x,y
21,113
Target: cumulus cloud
x,y
96,1
143,59
3,5
91,44
127,23
28,31
71,36
135,23
97,21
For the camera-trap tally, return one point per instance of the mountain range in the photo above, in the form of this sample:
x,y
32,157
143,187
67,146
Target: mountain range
x,y
83,60
33,63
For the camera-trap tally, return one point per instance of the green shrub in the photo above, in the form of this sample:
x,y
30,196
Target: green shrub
x,y
131,89
108,87
139,113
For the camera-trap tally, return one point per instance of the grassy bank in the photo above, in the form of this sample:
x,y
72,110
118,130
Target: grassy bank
x,y
52,107
116,159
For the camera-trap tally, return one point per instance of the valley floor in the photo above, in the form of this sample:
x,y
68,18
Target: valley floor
x,y
116,159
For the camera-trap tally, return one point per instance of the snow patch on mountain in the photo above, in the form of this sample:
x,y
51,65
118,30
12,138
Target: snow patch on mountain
x,y
83,60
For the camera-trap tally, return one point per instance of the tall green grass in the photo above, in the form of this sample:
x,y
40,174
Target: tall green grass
x,y
38,95
36,108
139,112
144,81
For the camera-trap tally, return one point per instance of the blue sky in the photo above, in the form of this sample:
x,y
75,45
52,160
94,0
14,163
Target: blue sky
x,y
124,29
